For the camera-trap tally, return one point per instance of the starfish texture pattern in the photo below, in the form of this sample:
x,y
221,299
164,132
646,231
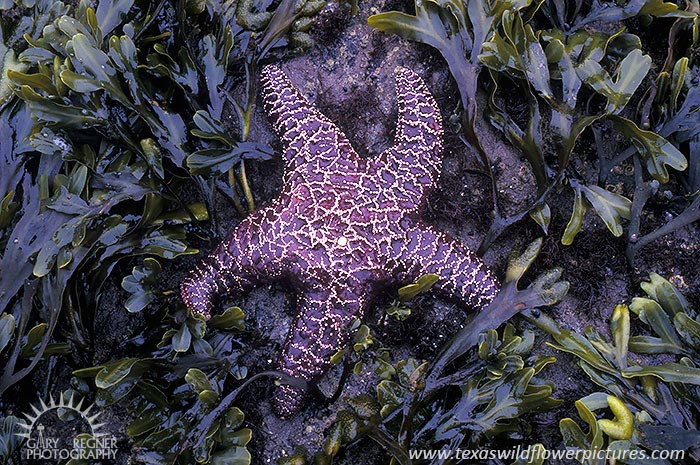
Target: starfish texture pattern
x,y
343,228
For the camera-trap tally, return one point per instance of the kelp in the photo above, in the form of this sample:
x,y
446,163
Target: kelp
x,y
110,118
654,405
476,388
497,384
560,71
671,108
109,121
9,440
171,392
641,406
66,226
457,30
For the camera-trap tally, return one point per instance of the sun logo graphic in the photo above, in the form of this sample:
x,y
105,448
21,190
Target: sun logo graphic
x,y
65,430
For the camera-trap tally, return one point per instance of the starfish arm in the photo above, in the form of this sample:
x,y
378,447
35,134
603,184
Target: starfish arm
x,y
317,333
307,135
244,259
463,275
414,161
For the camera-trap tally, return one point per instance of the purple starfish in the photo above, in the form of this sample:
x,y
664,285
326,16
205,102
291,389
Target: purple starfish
x,y
342,229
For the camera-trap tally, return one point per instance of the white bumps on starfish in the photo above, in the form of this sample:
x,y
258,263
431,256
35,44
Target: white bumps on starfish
x,y
343,228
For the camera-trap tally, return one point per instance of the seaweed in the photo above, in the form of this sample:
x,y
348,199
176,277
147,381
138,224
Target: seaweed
x,y
656,406
477,387
555,70
119,121
9,441
171,392
496,385
641,407
672,109
110,121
